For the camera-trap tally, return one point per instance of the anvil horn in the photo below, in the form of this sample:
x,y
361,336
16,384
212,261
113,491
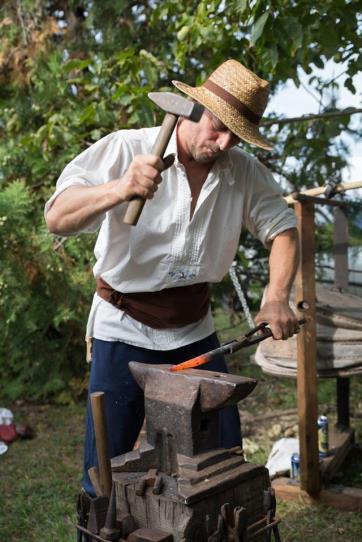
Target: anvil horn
x,y
139,372
222,392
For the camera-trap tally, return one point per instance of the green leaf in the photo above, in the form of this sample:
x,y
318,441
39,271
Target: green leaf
x,y
76,64
349,84
258,28
183,32
53,385
241,6
319,62
274,55
134,118
88,114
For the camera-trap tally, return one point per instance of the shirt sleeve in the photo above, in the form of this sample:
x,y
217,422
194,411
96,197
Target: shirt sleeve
x,y
104,161
266,212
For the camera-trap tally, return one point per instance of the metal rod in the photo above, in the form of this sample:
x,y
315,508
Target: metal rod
x,y
263,529
93,536
257,523
228,348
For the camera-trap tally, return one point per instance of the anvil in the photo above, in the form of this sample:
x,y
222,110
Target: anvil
x,y
182,409
180,477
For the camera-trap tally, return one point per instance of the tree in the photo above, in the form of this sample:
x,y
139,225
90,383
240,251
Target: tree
x,y
71,71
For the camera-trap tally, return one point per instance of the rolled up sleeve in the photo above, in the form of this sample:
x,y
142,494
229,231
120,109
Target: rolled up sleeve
x,y
266,212
102,162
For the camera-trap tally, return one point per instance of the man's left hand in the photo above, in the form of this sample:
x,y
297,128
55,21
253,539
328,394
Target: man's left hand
x,y
280,317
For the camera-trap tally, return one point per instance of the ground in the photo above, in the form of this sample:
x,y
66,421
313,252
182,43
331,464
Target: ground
x,y
39,478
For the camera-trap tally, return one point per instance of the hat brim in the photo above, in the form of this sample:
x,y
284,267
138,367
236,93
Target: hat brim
x,y
235,121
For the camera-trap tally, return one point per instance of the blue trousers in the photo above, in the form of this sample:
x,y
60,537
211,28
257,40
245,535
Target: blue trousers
x,y
124,398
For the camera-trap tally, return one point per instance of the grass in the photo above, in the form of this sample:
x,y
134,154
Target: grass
x,y
39,478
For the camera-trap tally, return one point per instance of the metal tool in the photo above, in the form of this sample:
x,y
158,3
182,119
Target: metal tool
x,y
110,530
182,445
270,505
182,417
230,347
175,106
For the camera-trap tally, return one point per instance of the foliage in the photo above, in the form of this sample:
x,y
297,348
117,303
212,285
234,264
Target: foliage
x,y
71,71
41,344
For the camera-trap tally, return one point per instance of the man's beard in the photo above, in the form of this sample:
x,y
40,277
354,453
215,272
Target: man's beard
x,y
206,156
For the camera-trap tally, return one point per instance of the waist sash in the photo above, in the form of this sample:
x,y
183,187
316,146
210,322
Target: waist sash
x,y
169,308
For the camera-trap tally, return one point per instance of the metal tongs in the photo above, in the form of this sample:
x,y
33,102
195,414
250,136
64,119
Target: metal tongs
x,y
253,336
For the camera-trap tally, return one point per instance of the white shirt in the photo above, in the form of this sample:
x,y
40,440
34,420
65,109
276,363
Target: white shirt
x,y
166,248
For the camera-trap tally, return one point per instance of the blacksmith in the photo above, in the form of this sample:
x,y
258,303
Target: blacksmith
x,y
186,238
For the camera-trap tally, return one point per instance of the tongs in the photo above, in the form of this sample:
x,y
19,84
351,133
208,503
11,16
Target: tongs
x,y
253,336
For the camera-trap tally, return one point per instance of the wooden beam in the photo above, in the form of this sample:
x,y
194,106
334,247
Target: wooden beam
x,y
306,352
341,187
340,443
319,200
340,497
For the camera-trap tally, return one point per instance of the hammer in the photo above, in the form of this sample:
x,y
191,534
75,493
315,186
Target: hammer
x,y
175,106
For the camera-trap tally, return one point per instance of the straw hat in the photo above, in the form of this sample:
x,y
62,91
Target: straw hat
x,y
237,97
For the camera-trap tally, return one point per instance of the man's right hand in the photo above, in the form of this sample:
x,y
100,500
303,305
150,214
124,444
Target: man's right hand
x,y
79,205
142,177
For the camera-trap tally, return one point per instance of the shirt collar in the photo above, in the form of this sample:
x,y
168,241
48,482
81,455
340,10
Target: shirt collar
x,y
222,165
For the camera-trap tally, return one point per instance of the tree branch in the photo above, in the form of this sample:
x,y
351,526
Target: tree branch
x,y
304,118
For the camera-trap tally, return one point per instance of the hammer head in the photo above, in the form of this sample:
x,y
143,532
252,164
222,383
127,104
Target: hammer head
x,y
177,105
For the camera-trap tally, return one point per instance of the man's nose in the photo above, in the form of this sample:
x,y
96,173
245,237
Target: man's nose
x,y
226,140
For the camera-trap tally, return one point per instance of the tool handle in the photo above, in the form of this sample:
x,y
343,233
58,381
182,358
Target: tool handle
x,y
101,435
135,206
93,474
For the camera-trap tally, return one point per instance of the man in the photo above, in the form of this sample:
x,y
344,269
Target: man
x,y
152,301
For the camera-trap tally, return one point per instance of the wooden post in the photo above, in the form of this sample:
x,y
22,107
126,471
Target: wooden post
x,y
341,235
307,352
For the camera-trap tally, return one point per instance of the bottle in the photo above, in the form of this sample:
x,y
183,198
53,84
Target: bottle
x,y
323,441
295,467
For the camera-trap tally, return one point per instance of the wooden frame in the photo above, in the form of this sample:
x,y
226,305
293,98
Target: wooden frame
x,y
315,472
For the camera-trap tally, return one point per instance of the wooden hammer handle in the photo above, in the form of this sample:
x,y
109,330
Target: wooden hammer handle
x,y
135,206
101,435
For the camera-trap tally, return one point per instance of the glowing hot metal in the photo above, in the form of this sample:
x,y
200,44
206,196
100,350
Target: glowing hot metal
x,y
229,348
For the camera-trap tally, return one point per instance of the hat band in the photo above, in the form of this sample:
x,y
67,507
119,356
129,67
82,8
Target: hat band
x,y
231,100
